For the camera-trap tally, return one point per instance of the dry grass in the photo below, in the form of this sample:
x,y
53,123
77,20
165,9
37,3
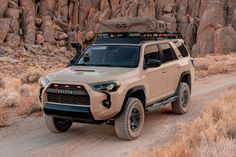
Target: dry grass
x,y
212,134
18,97
3,117
215,64
32,75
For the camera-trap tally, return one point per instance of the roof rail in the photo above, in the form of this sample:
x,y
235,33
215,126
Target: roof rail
x,y
141,35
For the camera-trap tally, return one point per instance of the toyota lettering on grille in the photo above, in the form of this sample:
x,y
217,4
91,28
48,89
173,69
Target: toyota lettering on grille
x,y
61,91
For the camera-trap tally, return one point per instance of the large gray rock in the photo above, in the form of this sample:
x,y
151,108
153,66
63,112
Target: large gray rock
x,y
47,7
205,42
3,7
224,40
28,22
48,29
4,28
12,13
13,40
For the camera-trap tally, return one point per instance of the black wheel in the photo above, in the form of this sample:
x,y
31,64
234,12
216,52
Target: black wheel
x,y
57,124
129,124
180,106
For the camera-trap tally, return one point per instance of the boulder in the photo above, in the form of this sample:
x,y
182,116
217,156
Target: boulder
x,y
40,39
13,4
205,42
60,35
4,28
234,20
12,13
47,7
171,21
13,40
28,6
48,29
15,27
38,21
89,36
224,40
84,9
146,8
28,23
75,14
213,16
29,30
64,9
3,7
168,8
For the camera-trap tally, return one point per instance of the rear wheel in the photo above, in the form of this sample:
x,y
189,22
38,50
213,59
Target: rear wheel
x,y
129,124
180,106
57,124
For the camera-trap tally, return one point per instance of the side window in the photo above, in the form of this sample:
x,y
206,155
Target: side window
x,y
168,52
152,52
182,49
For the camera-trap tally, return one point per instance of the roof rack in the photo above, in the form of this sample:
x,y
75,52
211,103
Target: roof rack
x,y
135,37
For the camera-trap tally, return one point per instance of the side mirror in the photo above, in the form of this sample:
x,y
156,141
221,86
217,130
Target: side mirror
x,y
86,58
152,63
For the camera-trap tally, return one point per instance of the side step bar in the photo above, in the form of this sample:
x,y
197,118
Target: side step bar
x,y
157,105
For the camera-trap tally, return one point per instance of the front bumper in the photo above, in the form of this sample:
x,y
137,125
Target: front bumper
x,y
95,112
75,113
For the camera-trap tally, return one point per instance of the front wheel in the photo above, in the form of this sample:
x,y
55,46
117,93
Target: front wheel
x,y
57,124
129,124
180,106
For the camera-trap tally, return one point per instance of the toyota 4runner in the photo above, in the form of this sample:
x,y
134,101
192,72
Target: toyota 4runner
x,y
117,80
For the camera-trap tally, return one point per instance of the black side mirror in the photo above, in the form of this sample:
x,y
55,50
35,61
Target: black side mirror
x,y
152,63
86,58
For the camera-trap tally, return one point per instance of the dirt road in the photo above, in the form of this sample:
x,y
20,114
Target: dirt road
x,y
28,137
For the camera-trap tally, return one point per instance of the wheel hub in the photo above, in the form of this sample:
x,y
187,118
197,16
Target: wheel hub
x,y
135,119
185,99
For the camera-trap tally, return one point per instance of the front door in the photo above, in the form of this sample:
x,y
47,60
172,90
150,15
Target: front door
x,y
156,77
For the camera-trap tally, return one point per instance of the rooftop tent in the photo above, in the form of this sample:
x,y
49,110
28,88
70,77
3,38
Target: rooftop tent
x,y
131,24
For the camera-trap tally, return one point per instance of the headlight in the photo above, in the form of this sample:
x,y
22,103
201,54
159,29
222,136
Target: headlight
x,y
44,81
110,86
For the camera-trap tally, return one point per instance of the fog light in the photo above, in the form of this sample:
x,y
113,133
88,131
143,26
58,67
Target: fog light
x,y
107,103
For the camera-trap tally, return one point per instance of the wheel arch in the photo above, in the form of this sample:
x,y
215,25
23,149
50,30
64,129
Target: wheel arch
x,y
186,78
138,92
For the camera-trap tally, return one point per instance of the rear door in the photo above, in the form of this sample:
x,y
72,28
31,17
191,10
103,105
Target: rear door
x,y
156,77
170,63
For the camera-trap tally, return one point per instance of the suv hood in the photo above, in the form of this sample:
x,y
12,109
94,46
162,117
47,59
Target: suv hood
x,y
88,74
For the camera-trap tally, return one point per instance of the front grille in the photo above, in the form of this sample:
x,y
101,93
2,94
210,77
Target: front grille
x,y
69,99
69,96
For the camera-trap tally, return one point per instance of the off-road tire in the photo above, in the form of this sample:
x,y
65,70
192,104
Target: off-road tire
x,y
129,124
57,125
180,106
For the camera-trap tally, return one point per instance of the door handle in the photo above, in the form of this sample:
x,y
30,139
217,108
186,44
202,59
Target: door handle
x,y
179,67
164,71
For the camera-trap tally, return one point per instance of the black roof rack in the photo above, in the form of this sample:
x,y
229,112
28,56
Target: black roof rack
x,y
134,37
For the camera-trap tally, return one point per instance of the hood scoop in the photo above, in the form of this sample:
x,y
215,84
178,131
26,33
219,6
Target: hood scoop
x,y
80,70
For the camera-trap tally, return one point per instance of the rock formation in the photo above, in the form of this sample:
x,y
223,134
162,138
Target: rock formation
x,y
208,26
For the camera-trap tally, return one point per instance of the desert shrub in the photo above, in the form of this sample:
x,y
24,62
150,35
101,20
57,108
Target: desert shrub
x,y
3,117
214,64
29,99
32,75
211,134
10,98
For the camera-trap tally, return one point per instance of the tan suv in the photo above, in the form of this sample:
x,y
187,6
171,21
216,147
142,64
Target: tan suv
x,y
117,80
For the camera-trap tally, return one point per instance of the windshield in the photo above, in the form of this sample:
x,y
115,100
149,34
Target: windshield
x,y
111,56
